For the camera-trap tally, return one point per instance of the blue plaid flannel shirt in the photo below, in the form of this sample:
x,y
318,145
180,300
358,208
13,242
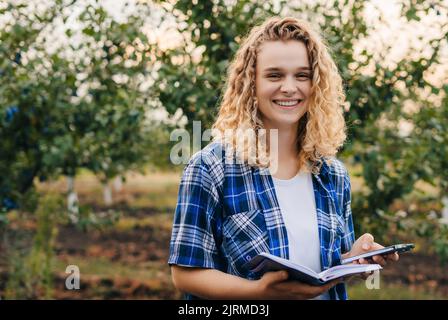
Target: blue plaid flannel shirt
x,y
228,213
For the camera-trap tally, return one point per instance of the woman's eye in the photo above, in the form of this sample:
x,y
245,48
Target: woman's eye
x,y
274,75
303,76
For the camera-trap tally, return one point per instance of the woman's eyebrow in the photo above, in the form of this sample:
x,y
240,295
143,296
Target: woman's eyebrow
x,y
280,69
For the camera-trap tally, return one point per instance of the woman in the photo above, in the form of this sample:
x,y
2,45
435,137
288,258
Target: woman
x,y
282,80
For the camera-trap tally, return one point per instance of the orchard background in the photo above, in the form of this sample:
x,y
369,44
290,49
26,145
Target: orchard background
x,y
90,92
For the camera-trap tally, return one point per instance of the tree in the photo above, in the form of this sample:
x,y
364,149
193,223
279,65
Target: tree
x,y
34,97
80,106
112,113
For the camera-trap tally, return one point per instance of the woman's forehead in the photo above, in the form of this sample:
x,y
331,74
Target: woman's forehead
x,y
291,54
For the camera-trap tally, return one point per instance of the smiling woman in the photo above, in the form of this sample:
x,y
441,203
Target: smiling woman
x,y
282,79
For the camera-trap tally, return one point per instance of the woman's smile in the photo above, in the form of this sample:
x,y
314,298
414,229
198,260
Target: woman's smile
x,y
287,104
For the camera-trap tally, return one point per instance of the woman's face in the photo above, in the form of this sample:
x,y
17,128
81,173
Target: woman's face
x,y
282,82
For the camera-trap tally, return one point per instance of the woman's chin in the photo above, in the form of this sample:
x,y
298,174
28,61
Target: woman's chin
x,y
284,122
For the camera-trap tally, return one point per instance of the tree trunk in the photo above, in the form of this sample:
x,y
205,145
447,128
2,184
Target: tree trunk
x,y
445,210
72,200
107,194
118,184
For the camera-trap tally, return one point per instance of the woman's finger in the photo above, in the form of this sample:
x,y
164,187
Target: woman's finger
x,y
363,261
380,260
331,284
393,257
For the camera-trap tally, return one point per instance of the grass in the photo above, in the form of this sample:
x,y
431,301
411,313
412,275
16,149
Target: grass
x,y
162,222
156,191
160,201
358,291
102,267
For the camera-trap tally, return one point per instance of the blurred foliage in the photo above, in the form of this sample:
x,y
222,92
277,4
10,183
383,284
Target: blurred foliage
x,y
90,220
31,274
392,162
111,116
25,107
79,105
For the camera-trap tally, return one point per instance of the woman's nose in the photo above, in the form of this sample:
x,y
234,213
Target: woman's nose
x,y
288,85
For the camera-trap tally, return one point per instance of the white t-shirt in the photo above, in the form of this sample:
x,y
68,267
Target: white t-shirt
x,y
298,207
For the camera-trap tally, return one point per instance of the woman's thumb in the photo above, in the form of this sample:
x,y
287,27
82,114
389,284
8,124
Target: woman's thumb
x,y
367,237
367,241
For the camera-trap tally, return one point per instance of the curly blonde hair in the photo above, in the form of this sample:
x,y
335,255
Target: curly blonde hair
x,y
322,129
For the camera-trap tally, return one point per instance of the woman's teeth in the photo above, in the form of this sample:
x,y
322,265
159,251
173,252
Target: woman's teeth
x,y
287,103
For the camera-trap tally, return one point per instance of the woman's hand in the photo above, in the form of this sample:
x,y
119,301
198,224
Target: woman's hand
x,y
275,285
365,243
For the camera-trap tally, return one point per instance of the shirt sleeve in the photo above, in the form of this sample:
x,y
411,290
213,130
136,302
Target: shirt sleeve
x,y
349,235
197,220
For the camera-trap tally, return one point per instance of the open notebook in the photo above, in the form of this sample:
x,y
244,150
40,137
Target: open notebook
x,y
265,262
